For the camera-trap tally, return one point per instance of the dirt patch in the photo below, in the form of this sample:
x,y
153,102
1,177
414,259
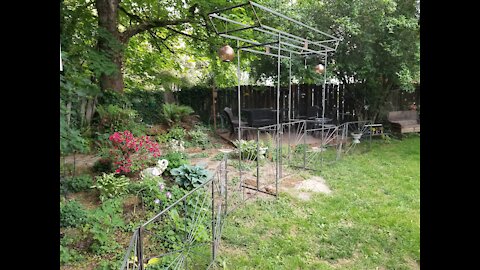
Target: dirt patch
x,y
210,164
343,262
234,251
303,189
413,264
314,184
89,199
82,163
291,181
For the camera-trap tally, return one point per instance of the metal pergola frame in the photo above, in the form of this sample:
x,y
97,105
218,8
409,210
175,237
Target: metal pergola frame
x,y
274,39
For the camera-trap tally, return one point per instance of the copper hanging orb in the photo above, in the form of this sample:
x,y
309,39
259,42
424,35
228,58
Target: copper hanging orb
x,y
226,53
319,68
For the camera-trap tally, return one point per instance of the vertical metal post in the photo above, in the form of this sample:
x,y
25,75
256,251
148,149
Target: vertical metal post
x,y
278,116
338,103
225,157
289,86
239,120
258,157
289,102
140,248
323,92
305,144
324,86
313,96
213,221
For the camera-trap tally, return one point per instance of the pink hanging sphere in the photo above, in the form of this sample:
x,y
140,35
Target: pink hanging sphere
x,y
319,68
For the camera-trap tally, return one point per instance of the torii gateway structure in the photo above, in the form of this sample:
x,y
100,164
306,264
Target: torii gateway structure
x,y
249,27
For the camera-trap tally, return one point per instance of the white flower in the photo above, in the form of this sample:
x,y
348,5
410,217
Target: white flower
x,y
157,201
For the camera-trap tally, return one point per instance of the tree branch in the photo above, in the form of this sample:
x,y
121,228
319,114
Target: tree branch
x,y
145,26
132,16
185,34
156,43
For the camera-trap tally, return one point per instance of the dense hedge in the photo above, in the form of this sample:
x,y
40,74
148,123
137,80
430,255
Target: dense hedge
x,y
147,103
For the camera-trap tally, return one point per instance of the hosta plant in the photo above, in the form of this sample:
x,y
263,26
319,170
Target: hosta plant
x,y
111,186
189,177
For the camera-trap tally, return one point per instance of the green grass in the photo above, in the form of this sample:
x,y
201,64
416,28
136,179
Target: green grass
x,y
370,221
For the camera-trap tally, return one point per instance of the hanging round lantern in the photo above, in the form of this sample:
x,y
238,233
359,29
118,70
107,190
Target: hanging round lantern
x,y
226,53
319,68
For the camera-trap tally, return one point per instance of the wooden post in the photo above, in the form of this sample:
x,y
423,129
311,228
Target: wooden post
x,y
214,99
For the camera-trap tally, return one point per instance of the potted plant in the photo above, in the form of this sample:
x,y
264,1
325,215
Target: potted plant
x,y
356,136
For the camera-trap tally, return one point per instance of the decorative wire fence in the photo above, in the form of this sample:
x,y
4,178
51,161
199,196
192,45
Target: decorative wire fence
x,y
301,144
186,234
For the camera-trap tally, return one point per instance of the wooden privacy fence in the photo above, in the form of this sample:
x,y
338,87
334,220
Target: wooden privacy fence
x,y
339,100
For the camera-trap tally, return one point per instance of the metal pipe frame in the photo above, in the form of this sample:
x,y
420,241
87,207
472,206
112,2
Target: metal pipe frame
x,y
284,43
290,19
274,32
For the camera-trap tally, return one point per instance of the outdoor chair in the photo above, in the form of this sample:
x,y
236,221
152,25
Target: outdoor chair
x,y
313,112
259,117
233,121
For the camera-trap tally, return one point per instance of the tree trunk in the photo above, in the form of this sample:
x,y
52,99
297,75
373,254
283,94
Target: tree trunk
x,y
168,97
90,110
108,20
69,112
83,108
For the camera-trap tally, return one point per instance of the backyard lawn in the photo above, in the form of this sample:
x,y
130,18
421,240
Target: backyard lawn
x,y
371,220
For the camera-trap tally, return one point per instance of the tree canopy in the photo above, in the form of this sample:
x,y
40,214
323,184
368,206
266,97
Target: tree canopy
x,y
144,45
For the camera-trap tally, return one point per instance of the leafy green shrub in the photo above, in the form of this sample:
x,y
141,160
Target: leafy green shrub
x,y
71,138
199,137
115,118
153,192
249,149
175,160
68,255
107,265
111,186
181,221
189,177
102,225
103,165
175,132
300,148
77,183
72,214
173,113
218,157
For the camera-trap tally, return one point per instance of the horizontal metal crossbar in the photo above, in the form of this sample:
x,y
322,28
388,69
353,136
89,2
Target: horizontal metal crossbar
x,y
292,20
285,35
264,53
327,43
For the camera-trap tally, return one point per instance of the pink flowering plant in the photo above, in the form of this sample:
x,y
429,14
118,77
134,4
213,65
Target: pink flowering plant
x,y
130,153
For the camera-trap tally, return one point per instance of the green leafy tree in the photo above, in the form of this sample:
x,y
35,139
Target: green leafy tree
x,y
380,50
